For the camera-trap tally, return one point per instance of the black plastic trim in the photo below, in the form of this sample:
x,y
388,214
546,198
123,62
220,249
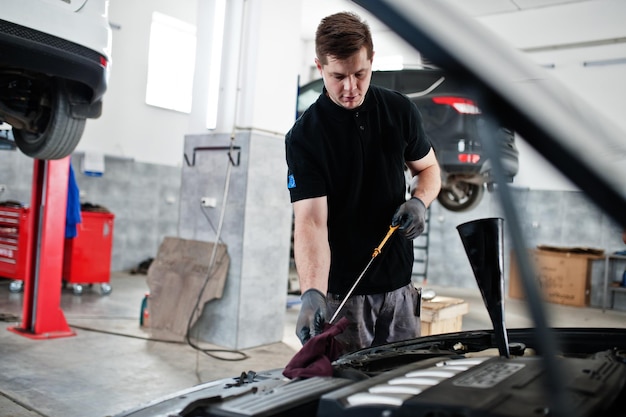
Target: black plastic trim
x,y
23,48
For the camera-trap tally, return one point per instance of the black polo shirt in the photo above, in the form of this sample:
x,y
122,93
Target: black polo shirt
x,y
356,159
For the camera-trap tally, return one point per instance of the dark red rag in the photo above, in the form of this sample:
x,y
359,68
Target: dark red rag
x,y
315,357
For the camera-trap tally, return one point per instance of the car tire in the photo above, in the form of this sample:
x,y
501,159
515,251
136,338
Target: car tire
x,y
58,131
463,197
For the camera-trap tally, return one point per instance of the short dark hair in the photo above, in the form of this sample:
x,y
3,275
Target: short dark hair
x,y
341,35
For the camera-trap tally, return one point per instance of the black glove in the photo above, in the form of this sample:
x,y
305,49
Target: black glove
x,y
411,217
312,315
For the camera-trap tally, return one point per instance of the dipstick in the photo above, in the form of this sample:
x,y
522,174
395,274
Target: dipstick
x,y
377,252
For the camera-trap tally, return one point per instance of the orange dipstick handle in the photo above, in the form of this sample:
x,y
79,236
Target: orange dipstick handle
x,y
379,249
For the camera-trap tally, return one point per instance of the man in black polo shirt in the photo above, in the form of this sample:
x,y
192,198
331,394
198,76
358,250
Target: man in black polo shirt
x,y
346,157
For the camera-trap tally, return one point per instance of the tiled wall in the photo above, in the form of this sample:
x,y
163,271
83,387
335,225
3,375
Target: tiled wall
x,y
146,198
556,218
142,197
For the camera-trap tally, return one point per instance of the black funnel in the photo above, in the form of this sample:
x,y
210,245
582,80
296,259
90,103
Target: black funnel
x,y
484,244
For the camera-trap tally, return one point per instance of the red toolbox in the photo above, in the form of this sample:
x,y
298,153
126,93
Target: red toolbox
x,y
15,240
87,257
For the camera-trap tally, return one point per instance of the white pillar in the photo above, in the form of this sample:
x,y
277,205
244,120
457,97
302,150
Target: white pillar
x,y
258,93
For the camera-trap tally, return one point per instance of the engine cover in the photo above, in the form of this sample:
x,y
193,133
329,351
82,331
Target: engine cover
x,y
485,386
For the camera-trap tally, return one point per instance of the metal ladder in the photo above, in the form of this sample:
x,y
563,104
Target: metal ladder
x,y
420,253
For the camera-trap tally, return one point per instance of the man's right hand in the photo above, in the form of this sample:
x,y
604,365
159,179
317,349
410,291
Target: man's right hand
x,y
312,315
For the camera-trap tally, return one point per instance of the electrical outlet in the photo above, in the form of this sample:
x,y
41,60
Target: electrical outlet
x,y
208,201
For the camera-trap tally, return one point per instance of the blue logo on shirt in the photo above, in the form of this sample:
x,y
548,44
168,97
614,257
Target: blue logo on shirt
x,y
291,182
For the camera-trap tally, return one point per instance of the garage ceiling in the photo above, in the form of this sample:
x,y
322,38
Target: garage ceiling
x,y
489,7
314,10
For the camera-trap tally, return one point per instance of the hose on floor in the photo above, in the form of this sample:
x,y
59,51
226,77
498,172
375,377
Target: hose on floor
x,y
14,318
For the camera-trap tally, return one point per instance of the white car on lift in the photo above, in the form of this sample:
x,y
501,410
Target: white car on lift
x,y
54,69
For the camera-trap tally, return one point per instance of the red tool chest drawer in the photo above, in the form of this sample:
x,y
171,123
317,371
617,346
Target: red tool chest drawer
x,y
15,235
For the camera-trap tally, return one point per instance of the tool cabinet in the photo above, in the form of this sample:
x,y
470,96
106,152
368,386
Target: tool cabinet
x,y
15,238
87,257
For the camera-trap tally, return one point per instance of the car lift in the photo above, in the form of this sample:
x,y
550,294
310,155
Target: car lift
x,y
42,316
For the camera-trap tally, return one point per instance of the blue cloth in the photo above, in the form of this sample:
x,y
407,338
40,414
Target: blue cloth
x,y
73,216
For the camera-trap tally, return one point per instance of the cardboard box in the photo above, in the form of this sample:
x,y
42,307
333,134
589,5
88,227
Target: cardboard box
x,y
442,315
563,276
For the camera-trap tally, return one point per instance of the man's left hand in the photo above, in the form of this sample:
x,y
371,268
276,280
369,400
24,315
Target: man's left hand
x,y
411,217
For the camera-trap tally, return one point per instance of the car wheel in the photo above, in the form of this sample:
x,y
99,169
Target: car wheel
x,y
461,196
56,132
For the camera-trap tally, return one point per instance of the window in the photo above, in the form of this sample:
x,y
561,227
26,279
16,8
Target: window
x,y
171,63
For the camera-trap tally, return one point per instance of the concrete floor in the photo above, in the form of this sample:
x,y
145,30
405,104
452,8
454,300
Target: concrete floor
x,y
110,365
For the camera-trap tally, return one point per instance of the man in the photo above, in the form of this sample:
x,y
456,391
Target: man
x,y
346,157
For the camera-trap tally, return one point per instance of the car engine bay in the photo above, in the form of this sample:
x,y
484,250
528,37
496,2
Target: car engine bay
x,y
454,375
